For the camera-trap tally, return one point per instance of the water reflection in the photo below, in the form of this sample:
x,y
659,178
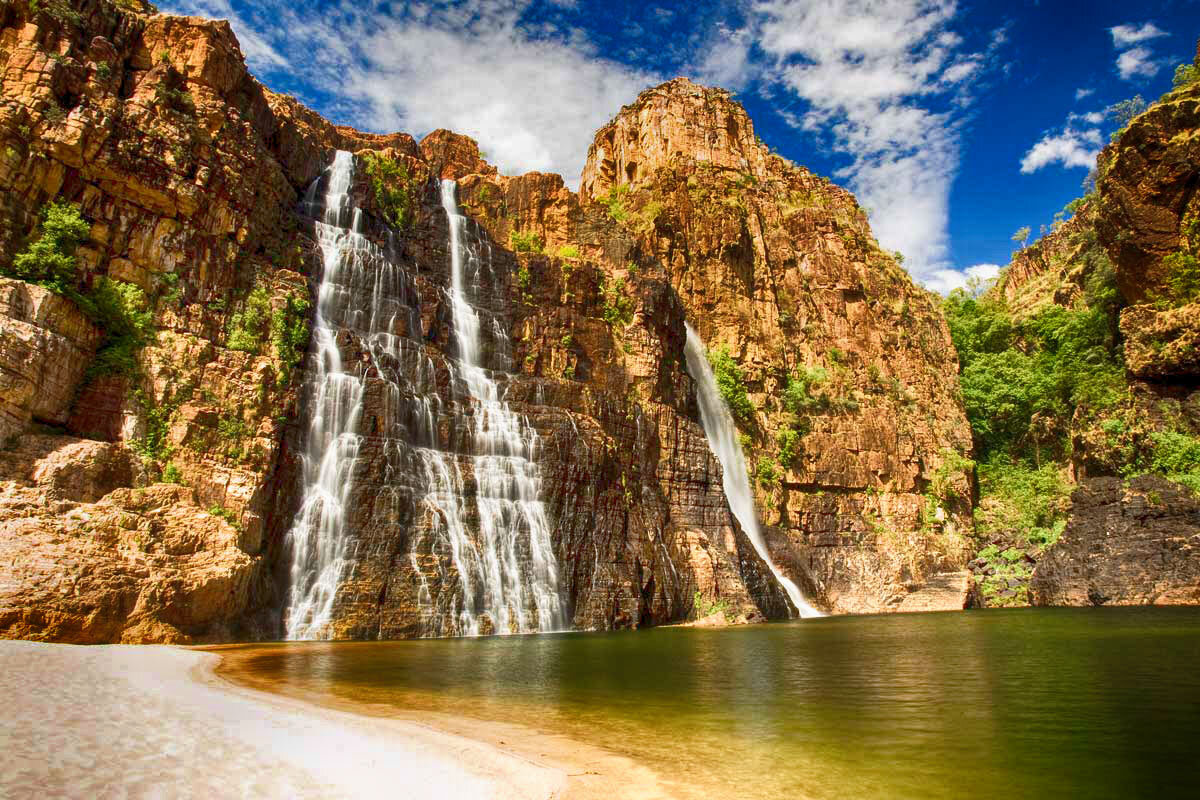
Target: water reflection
x,y
1031,703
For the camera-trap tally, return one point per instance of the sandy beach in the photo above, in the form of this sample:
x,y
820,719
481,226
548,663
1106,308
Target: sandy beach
x,y
148,721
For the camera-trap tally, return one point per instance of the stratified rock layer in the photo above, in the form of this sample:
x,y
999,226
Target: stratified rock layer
x,y
1125,545
191,175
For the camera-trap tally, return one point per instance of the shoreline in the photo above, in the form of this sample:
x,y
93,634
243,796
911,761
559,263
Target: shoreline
x,y
589,772
81,720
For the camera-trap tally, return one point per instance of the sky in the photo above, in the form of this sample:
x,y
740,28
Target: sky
x,y
955,123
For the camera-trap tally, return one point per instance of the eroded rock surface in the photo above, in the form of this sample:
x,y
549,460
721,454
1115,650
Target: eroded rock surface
x,y
193,177
1126,544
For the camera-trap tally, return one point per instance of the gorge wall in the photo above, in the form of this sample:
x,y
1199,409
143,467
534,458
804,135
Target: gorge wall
x,y
1127,259
148,483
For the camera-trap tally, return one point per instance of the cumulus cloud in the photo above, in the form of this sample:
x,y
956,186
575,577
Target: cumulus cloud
x,y
1081,94
1128,35
1134,58
1137,63
944,281
872,74
1070,148
531,97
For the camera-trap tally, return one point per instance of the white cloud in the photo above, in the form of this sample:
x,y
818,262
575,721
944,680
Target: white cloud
x,y
1071,148
727,61
871,73
1137,63
944,281
532,101
1081,94
1128,35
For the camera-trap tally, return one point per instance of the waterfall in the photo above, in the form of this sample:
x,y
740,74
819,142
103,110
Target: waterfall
x,y
317,539
723,440
512,568
396,456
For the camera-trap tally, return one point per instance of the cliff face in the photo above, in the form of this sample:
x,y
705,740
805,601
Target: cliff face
x,y
191,176
1130,539
859,466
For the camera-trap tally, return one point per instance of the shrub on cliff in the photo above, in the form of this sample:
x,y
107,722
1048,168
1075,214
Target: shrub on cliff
x,y
246,326
50,260
393,188
731,383
1177,456
121,310
525,242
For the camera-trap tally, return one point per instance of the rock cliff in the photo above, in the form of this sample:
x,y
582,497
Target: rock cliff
x,y
146,493
1129,537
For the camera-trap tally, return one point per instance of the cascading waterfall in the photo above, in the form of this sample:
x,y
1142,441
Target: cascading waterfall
x,y
454,474
512,567
317,537
723,440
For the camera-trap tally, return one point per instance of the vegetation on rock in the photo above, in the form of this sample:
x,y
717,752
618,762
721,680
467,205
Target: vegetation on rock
x,y
393,188
731,383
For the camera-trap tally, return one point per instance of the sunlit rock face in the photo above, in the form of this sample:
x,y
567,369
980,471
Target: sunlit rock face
x,y
198,186
1127,541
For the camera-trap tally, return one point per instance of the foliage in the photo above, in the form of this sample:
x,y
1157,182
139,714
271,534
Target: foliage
x,y
789,446
731,383
289,333
119,309
59,9
171,474
50,260
706,609
1018,377
1186,75
800,396
568,251
1025,500
525,242
393,188
1021,237
246,327
1124,112
174,98
618,305
1183,280
225,514
614,201
1177,456
153,446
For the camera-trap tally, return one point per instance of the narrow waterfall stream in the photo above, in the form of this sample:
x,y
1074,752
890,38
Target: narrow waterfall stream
x,y
317,539
394,457
723,440
513,569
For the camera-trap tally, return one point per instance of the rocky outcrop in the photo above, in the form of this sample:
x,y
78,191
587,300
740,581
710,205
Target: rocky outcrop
x,y
46,345
1135,544
192,177
778,267
1147,185
1053,270
1162,345
89,560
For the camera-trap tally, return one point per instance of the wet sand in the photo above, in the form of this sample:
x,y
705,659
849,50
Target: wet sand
x,y
590,772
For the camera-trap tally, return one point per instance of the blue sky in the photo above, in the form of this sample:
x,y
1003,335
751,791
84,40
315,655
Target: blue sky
x,y
955,123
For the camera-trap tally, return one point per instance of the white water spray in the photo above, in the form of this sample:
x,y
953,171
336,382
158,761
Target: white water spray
x,y
723,441
317,538
462,471
510,567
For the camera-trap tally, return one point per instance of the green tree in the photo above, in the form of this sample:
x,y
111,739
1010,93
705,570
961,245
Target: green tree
x,y
50,260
